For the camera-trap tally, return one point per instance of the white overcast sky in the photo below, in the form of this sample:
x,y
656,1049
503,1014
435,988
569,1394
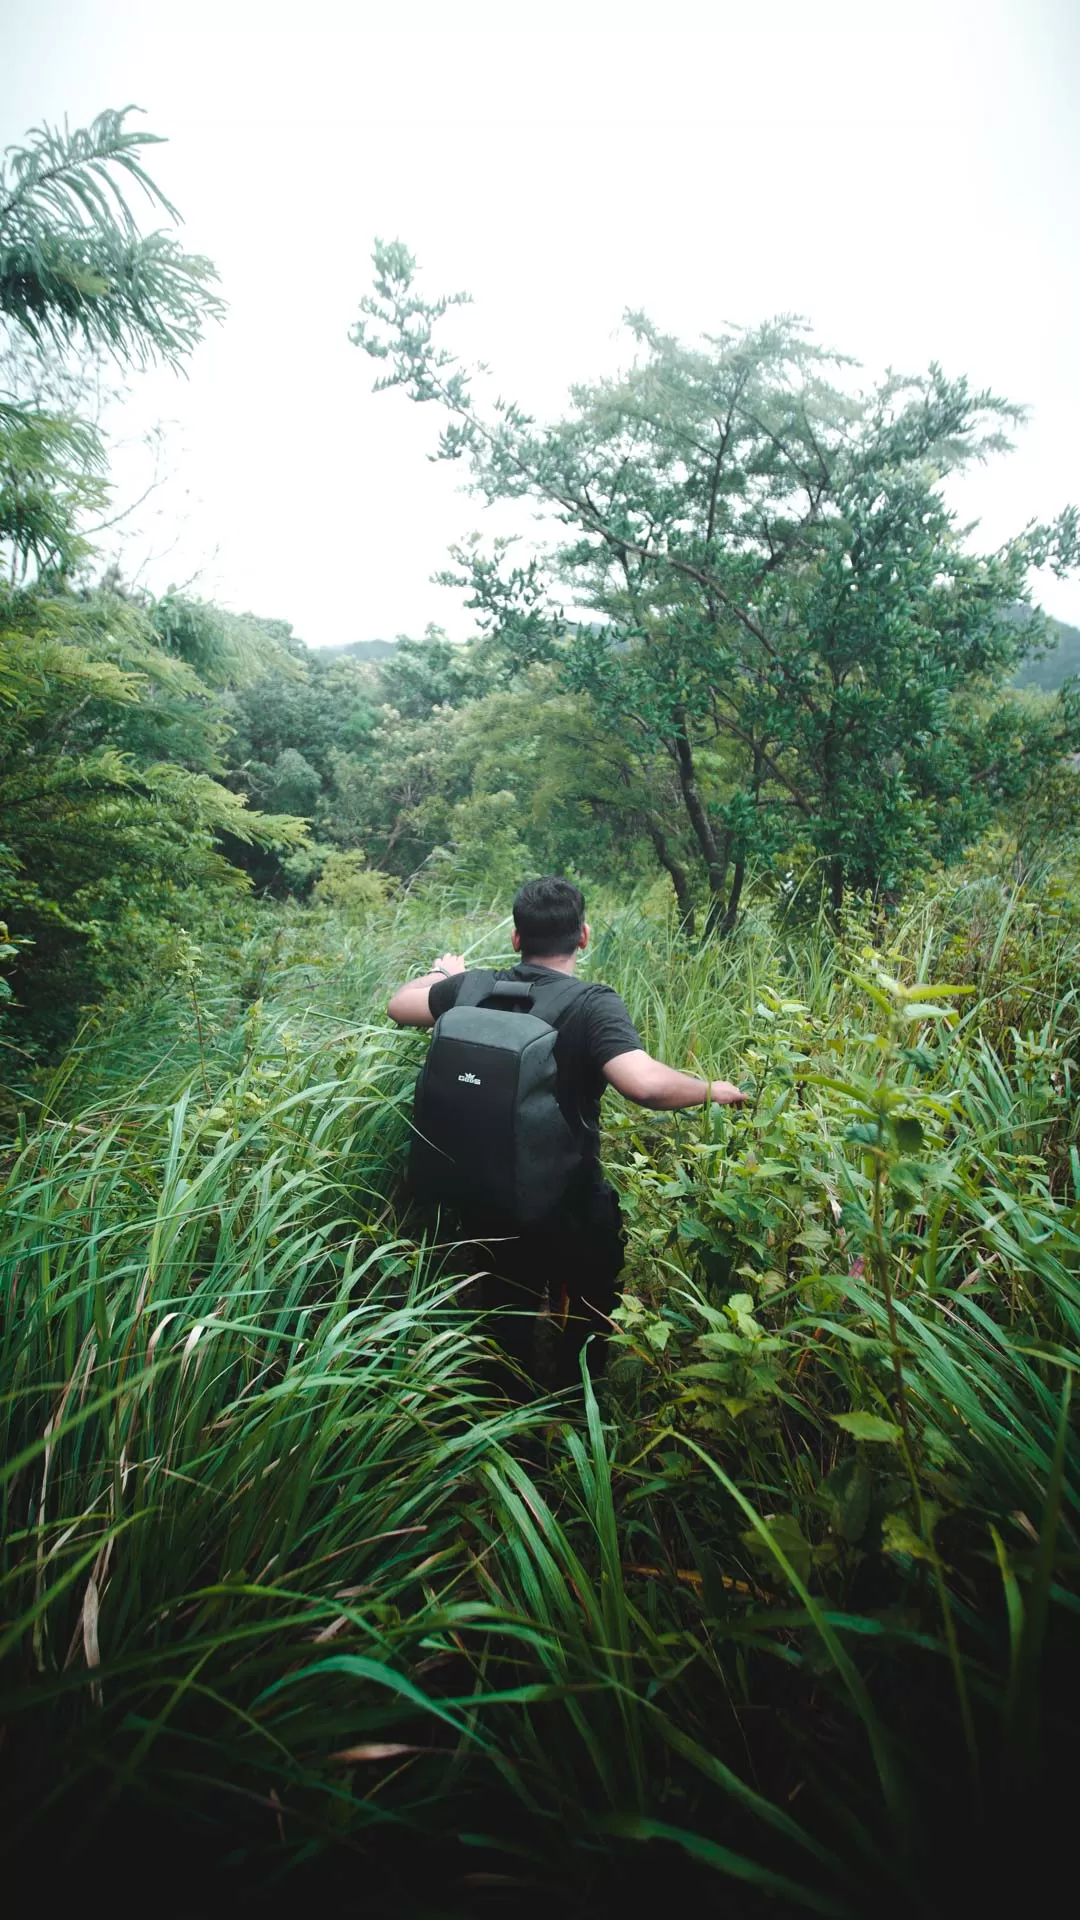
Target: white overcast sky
x,y
903,173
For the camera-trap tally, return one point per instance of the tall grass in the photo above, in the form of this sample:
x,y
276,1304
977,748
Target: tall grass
x,y
793,1604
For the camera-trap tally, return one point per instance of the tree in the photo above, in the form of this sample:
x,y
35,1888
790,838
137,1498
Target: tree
x,y
535,765
112,720
307,703
73,263
52,473
104,849
394,801
291,785
788,616
76,270
421,675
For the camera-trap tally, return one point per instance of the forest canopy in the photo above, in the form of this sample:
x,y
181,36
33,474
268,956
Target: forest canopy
x,y
789,668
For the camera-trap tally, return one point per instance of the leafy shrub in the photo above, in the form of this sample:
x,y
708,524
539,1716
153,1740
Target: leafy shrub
x,y
351,886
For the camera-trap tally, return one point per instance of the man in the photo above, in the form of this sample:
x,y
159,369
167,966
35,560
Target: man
x,y
572,1258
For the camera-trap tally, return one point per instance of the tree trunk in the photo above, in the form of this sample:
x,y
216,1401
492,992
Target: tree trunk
x,y
836,888
715,856
731,913
678,875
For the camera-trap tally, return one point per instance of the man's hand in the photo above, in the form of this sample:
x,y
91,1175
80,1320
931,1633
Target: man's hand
x,y
409,1005
723,1094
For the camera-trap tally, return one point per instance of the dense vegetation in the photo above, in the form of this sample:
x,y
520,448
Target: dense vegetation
x,y
294,1600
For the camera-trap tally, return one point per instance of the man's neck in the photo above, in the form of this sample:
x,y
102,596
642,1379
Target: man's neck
x,y
558,962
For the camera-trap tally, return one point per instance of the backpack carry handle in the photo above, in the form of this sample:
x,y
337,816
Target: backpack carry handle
x,y
480,988
519,991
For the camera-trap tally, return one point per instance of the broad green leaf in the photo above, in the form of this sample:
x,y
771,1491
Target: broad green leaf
x,y
719,1339
927,992
897,1536
908,1131
866,1426
693,1229
908,1180
785,1531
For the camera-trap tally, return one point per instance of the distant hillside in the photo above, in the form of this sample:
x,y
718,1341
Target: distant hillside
x,y
360,650
1054,668
1048,674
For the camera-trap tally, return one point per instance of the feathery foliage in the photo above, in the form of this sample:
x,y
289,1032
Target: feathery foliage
x,y
73,262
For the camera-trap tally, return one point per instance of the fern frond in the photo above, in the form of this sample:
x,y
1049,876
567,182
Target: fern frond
x,y
73,263
33,668
213,806
71,176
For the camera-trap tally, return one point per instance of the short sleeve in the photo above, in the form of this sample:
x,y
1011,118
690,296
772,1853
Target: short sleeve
x,y
609,1029
444,993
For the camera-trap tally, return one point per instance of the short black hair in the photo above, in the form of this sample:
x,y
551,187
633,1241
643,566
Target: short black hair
x,y
549,914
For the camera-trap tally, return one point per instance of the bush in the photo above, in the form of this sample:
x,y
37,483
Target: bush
x,y
349,885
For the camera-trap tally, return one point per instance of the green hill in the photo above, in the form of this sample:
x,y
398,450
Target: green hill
x,y
1054,668
361,650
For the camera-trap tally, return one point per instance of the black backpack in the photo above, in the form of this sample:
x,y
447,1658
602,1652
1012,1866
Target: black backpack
x,y
489,1133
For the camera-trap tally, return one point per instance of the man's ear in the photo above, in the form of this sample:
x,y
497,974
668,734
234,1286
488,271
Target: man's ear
x,y
515,940
585,932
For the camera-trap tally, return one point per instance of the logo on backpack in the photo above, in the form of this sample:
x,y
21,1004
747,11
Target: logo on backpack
x,y
469,1080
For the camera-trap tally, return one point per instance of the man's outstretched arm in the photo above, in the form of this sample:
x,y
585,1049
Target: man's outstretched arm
x,y
409,1005
650,1083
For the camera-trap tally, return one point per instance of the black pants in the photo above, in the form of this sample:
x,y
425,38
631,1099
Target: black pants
x,y
551,1286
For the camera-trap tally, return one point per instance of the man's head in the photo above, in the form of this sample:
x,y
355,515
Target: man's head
x,y
549,919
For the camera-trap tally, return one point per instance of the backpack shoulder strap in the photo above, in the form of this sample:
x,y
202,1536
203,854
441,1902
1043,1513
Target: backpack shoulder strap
x,y
477,985
554,1001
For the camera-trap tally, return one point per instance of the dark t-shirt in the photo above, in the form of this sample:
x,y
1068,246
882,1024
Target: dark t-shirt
x,y
592,1030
